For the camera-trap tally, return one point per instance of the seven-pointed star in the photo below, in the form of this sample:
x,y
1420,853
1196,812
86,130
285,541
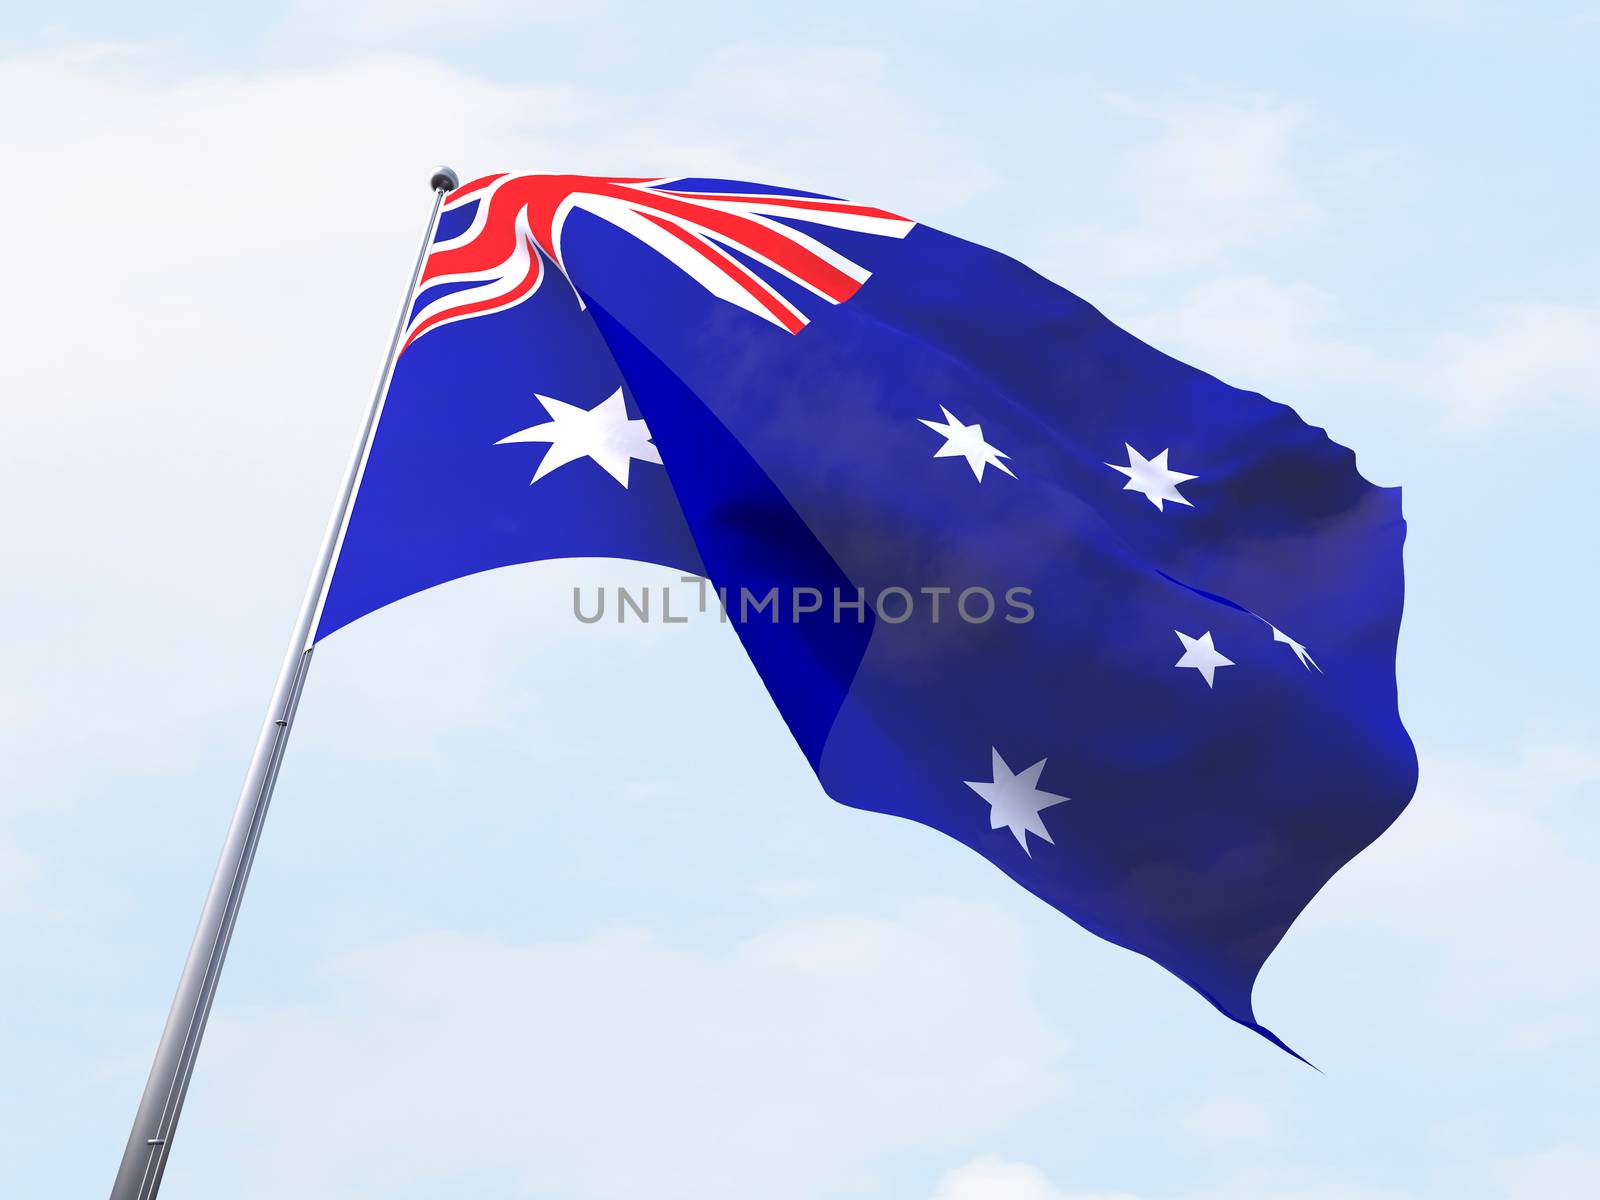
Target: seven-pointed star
x,y
966,441
1152,477
604,433
1201,654
1300,651
1015,801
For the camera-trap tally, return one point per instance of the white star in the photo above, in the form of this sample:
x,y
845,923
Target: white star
x,y
1015,801
966,441
604,433
1300,651
1202,655
1152,477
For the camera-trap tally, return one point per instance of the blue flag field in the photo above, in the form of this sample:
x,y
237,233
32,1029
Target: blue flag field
x,y
1124,630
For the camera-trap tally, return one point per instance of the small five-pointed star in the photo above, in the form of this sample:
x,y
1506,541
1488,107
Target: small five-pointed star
x,y
1015,801
1152,477
604,433
1300,651
966,441
1201,654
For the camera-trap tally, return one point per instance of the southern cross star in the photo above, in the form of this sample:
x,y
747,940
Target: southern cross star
x,y
1300,651
966,441
1015,801
604,433
1152,477
1201,654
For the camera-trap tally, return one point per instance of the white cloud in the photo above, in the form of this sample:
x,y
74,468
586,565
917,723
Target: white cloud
x,y
1527,361
619,1065
399,21
1216,190
1249,1182
20,876
1217,176
215,250
1227,1121
824,117
1561,1173
994,1179
997,1179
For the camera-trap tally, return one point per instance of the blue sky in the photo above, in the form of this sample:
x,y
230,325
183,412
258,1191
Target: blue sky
x,y
549,910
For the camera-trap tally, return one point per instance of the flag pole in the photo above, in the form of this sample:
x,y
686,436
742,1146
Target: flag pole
x,y
145,1159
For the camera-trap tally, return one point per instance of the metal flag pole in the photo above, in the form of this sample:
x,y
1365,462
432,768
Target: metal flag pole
x,y
145,1159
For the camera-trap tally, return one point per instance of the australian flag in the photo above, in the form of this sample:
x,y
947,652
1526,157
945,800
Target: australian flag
x,y
1124,630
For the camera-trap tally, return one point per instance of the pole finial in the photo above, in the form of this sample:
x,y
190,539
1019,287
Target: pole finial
x,y
444,180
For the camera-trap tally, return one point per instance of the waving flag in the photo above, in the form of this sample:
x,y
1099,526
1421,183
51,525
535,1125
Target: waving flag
x,y
1124,630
